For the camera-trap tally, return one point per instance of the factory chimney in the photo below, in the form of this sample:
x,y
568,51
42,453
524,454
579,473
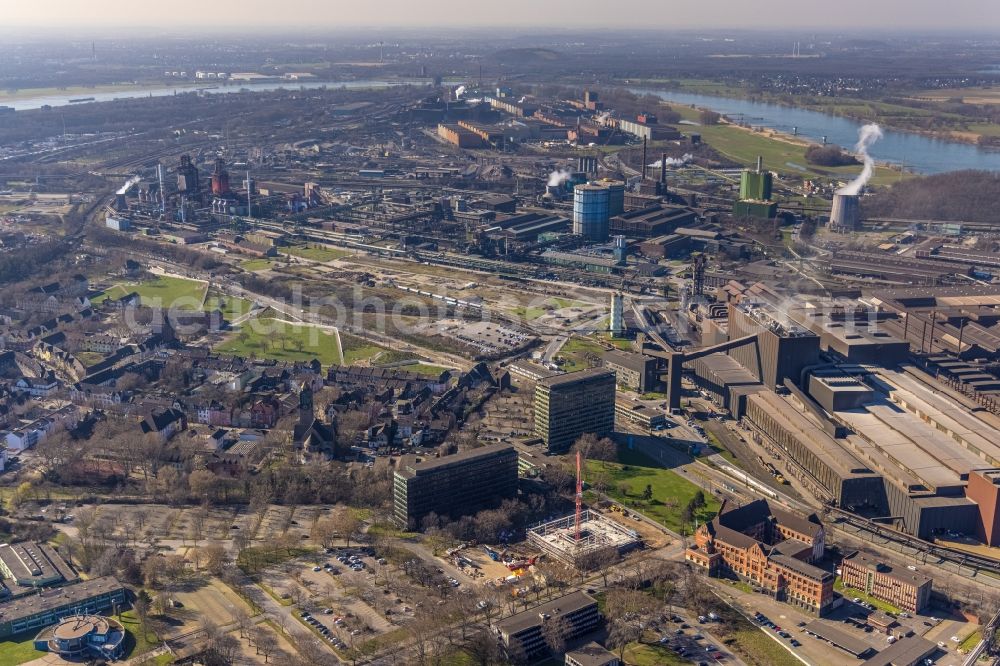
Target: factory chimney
x,y
663,169
760,164
644,158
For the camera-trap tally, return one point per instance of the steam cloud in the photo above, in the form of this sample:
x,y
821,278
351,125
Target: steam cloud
x,y
867,136
558,177
674,161
459,91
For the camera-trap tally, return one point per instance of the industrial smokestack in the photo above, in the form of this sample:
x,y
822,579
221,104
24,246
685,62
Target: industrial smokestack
x,y
760,163
644,158
663,168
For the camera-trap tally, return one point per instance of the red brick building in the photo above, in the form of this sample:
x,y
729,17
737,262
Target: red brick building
x,y
771,548
984,489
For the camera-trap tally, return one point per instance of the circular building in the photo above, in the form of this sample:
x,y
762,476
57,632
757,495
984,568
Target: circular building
x,y
83,636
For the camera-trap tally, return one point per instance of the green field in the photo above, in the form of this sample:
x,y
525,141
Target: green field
x,y
424,369
315,252
648,654
671,492
577,352
19,649
161,291
743,146
231,306
358,349
270,338
135,642
254,265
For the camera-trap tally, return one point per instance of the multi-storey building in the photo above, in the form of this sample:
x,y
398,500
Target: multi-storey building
x,y
35,611
522,636
571,404
636,371
906,589
453,485
769,547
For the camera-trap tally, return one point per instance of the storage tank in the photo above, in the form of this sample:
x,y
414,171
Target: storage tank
x,y
590,212
846,212
616,196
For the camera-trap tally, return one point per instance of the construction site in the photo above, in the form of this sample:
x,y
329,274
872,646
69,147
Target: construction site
x,y
575,539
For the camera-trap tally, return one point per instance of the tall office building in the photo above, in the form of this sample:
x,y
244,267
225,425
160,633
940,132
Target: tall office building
x,y
574,403
453,485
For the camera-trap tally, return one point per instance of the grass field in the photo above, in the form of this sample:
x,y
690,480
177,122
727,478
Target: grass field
x,y
254,265
162,291
645,654
577,352
135,642
757,649
424,369
671,492
89,358
743,146
270,338
315,252
358,349
231,306
19,649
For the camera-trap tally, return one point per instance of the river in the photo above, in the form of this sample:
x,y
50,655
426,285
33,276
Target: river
x,y
915,152
63,99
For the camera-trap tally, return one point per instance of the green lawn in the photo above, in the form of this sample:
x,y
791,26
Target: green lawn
x,y
358,349
671,492
162,291
254,265
850,593
577,352
971,641
135,642
231,306
645,654
528,313
89,358
19,649
315,252
270,338
757,649
424,369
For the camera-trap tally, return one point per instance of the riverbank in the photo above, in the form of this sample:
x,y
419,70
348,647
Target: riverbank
x,y
783,153
860,110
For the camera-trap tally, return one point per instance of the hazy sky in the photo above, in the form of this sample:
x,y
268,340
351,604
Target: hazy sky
x,y
978,15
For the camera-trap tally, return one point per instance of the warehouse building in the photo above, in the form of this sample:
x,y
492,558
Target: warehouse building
x,y
906,589
657,220
459,136
856,334
459,484
27,566
569,405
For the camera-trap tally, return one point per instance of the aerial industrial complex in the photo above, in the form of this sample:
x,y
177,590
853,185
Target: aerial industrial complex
x,y
385,354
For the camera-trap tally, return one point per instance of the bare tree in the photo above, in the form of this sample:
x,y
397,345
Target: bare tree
x,y
556,631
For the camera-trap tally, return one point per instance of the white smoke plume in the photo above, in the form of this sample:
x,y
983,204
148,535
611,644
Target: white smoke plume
x,y
867,136
521,101
674,161
558,177
459,91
